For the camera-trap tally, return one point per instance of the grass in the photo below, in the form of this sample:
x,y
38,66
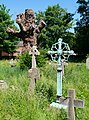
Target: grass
x,y
16,103
77,77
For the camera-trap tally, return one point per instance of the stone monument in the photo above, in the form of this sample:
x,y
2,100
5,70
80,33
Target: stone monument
x,y
28,30
34,73
29,33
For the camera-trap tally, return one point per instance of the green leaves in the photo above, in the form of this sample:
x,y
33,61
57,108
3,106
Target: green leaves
x,y
6,40
82,28
58,22
25,61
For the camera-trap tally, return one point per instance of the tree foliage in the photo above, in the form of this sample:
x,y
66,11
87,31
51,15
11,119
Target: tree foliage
x,y
58,22
82,28
7,41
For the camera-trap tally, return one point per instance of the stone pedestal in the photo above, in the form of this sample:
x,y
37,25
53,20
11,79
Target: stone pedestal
x,y
33,75
87,63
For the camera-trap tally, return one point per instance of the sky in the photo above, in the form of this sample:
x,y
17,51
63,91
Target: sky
x,y
19,6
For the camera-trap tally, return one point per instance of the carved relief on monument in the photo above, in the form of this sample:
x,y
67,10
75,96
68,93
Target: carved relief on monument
x,y
28,30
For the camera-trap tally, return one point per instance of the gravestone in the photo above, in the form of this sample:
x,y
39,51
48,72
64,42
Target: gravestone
x,y
63,67
3,85
60,51
34,71
87,63
29,33
70,103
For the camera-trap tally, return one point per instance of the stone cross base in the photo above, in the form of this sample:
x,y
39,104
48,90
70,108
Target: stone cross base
x,y
34,75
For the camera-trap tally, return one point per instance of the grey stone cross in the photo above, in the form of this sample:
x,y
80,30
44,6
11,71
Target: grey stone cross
x,y
33,72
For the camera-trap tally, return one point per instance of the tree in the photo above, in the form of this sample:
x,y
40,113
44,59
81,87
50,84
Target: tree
x,y
82,28
7,41
58,22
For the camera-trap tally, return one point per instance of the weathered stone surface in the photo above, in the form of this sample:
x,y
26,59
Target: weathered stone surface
x,y
3,85
87,63
33,75
28,30
29,33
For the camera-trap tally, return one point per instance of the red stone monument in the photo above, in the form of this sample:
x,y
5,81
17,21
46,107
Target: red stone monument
x,y
28,30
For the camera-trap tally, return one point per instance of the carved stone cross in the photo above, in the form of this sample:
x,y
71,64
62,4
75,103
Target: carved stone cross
x,y
34,52
33,72
69,103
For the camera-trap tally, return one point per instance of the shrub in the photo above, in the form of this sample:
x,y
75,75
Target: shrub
x,y
25,61
42,58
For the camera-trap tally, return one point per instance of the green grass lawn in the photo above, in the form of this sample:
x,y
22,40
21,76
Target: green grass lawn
x,y
16,103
